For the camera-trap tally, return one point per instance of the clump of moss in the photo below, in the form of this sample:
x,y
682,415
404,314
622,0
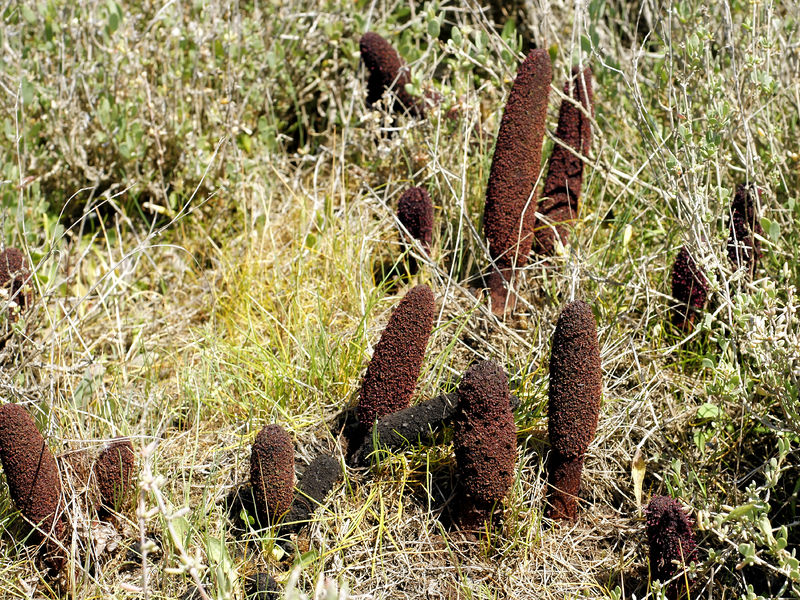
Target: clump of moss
x,y
318,479
562,187
744,248
15,277
392,373
689,288
33,479
387,72
576,386
113,471
272,473
484,439
509,214
672,543
415,212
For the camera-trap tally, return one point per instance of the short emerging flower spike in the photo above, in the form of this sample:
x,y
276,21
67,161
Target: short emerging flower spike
x,y
415,212
689,288
744,247
114,470
672,543
272,473
387,72
15,277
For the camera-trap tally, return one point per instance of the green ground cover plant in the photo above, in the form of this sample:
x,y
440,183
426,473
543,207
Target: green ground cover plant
x,y
208,207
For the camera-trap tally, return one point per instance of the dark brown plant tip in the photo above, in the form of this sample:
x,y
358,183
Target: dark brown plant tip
x,y
415,212
689,288
387,72
509,214
672,543
392,373
576,387
272,473
560,204
320,476
114,470
33,480
15,279
485,442
744,248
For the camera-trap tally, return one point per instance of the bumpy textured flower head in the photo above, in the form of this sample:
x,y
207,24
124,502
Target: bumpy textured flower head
x,y
510,211
562,187
485,440
392,373
272,473
415,211
576,382
744,248
576,386
386,72
671,540
32,477
15,277
689,288
509,215
114,471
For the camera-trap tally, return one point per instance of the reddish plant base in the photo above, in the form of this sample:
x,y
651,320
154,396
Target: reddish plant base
x,y
564,483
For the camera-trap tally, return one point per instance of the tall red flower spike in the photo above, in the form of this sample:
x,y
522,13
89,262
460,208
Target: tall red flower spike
x,y
509,214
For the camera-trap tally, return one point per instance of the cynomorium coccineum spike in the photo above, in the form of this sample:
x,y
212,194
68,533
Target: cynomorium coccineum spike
x,y
415,212
744,248
387,72
114,470
485,442
318,479
672,543
562,187
576,385
272,473
509,214
392,373
33,480
15,277
689,288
